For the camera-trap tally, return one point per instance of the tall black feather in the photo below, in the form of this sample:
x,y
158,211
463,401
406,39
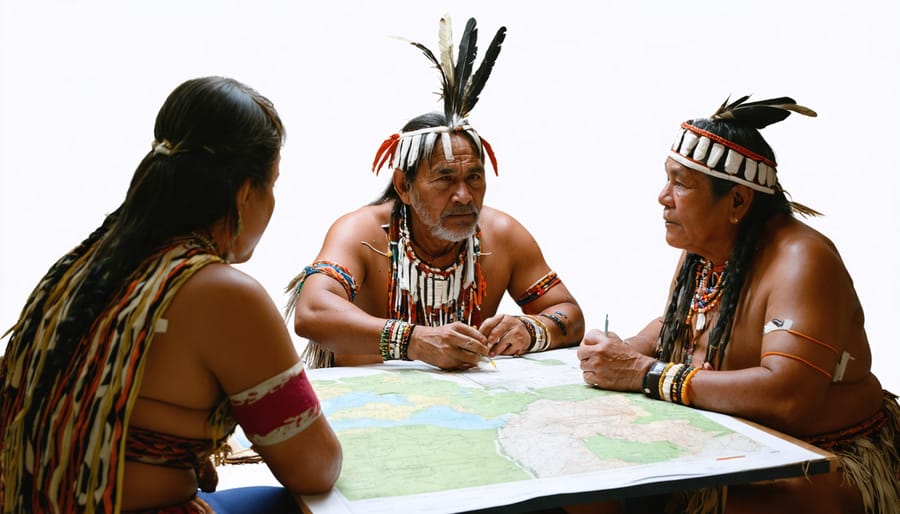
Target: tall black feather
x,y
479,79
468,50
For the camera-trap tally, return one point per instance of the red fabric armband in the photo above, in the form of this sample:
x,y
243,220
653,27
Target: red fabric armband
x,y
278,408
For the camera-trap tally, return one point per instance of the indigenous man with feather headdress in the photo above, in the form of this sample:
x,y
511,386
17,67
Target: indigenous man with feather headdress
x,y
419,274
763,322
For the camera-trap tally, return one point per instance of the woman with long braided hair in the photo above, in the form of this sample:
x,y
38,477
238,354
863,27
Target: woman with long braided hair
x,y
139,351
762,322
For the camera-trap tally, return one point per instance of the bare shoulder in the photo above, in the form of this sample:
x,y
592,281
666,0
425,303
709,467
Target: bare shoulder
x,y
363,224
502,229
220,288
800,250
802,274
365,219
233,323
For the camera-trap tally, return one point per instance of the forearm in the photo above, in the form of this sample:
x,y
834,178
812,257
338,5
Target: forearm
x,y
758,394
564,324
646,340
339,326
750,393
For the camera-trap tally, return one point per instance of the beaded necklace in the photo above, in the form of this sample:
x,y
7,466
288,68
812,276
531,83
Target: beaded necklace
x,y
706,293
422,294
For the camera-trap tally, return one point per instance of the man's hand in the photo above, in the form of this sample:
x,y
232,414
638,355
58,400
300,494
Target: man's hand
x,y
453,346
607,362
506,335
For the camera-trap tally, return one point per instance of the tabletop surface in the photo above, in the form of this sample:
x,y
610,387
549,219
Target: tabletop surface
x,y
527,434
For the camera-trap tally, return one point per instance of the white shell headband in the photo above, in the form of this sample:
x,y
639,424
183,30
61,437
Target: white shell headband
x,y
714,155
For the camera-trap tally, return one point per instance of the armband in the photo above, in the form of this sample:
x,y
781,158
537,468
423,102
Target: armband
x,y
786,325
539,288
331,269
278,408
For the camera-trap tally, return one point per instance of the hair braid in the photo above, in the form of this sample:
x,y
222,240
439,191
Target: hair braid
x,y
674,330
33,315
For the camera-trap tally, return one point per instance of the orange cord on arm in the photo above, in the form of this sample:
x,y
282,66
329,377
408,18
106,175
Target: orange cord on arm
x,y
799,359
811,339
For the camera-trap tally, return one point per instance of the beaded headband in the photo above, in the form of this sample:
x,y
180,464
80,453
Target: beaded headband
x,y
715,155
703,151
460,88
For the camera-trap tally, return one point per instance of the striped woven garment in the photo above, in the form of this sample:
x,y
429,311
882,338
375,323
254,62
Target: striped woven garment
x,y
70,459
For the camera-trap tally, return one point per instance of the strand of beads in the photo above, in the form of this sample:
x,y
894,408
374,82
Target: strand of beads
x,y
540,336
707,292
669,382
394,341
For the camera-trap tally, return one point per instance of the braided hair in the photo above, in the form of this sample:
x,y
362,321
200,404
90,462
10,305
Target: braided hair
x,y
211,135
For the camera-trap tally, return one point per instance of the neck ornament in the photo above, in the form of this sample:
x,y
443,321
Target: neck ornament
x,y
422,294
707,292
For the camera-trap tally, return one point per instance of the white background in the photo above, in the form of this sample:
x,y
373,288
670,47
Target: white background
x,y
581,107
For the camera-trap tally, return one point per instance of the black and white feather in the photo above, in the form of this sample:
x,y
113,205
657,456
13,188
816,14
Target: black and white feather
x,y
760,113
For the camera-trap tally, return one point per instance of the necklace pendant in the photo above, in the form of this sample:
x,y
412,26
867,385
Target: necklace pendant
x,y
701,321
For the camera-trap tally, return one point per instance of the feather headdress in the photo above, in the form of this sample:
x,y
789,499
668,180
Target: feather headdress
x,y
715,155
461,86
760,114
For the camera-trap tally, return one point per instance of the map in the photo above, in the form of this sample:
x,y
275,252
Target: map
x,y
417,439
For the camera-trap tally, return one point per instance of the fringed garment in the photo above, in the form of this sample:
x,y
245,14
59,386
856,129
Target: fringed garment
x,y
417,293
868,456
70,459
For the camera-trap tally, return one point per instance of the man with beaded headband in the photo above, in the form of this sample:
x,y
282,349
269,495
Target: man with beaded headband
x,y
419,274
763,322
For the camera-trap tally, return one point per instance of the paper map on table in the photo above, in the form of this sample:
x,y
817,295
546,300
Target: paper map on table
x,y
416,439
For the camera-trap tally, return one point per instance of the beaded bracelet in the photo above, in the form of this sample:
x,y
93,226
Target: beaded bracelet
x,y
678,383
669,382
394,341
665,390
685,396
540,336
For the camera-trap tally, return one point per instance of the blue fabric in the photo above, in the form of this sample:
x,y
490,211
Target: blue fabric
x,y
252,500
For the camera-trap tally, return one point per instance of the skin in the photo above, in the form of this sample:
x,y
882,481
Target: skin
x,y
224,335
796,274
448,203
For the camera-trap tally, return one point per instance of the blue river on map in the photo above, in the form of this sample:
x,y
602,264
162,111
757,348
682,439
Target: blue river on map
x,y
438,416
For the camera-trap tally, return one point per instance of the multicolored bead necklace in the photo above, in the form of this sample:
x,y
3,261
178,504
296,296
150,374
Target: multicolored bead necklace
x,y
706,293
421,294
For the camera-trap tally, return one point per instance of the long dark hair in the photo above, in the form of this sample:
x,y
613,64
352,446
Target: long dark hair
x,y
675,332
211,135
